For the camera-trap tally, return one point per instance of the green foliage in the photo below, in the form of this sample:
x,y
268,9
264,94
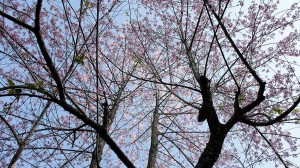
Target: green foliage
x,y
10,82
30,85
41,90
79,59
87,5
18,91
137,63
241,98
13,91
278,111
38,86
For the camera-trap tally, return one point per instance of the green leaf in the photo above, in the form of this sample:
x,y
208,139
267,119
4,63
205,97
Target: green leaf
x,y
87,3
137,63
241,98
30,85
40,90
11,91
40,84
277,110
18,91
84,10
79,59
15,92
10,82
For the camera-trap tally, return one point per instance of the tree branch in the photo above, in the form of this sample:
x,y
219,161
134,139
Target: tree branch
x,y
45,53
16,21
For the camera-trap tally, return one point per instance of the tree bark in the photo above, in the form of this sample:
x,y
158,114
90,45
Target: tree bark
x,y
108,117
154,136
98,151
212,151
218,131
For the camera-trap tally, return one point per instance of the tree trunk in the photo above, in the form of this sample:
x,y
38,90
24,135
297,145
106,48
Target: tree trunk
x,y
212,151
98,151
154,137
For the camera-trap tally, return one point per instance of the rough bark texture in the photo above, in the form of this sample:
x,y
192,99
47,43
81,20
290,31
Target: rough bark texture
x,y
218,131
98,151
154,137
212,151
108,117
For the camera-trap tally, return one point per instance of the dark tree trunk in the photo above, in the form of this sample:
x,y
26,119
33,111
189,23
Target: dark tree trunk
x,y
218,131
212,151
108,117
154,137
97,153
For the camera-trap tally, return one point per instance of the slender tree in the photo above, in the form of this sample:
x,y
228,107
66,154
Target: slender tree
x,y
96,83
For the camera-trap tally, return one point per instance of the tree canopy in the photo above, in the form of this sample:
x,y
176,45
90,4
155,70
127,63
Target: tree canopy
x,y
113,83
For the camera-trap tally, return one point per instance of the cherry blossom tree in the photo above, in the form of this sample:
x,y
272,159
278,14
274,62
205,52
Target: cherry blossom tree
x,y
148,83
